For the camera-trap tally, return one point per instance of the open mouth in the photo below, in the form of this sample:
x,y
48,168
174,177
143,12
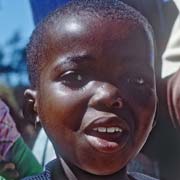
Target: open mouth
x,y
107,134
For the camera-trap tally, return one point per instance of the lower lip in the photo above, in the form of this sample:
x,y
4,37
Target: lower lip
x,y
103,145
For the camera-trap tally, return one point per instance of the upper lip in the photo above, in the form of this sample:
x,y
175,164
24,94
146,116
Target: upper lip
x,y
111,121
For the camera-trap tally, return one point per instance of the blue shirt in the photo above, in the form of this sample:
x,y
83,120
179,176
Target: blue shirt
x,y
55,167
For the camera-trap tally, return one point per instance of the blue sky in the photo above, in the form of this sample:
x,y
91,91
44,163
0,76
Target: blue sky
x,y
15,15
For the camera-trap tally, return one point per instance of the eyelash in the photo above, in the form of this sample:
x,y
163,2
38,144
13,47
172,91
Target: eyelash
x,y
138,80
139,84
73,79
77,80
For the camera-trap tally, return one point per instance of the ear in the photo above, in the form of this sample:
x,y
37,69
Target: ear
x,y
30,105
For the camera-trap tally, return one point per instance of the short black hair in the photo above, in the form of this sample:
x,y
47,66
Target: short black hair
x,y
113,9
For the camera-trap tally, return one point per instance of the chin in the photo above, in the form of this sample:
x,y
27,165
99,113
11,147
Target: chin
x,y
102,171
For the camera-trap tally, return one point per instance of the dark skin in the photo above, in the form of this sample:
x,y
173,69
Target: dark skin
x,y
8,169
99,73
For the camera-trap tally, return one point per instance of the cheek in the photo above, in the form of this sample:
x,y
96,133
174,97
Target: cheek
x,y
142,97
139,95
62,108
142,101
144,111
145,118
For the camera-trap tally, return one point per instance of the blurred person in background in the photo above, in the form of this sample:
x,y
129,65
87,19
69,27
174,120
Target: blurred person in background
x,y
171,62
14,153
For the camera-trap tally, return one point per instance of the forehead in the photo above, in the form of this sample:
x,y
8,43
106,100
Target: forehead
x,y
74,33
80,25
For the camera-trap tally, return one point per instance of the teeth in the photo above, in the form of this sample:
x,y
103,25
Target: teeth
x,y
118,129
111,130
95,129
101,129
108,130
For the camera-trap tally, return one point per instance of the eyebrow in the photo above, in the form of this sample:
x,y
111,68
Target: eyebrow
x,y
75,59
79,58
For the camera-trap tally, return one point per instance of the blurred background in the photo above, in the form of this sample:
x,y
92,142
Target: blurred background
x,y
16,25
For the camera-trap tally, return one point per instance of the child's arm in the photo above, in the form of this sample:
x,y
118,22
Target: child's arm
x,y
7,169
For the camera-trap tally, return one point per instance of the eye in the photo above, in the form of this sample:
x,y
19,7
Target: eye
x,y
73,79
71,76
137,81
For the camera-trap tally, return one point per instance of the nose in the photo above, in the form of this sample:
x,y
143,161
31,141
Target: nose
x,y
107,96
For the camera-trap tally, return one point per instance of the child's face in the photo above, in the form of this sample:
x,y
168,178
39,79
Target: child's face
x,y
98,77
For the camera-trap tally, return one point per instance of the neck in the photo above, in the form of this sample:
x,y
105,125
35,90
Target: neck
x,y
74,173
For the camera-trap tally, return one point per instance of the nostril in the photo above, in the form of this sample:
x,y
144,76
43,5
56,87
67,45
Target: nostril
x,y
118,103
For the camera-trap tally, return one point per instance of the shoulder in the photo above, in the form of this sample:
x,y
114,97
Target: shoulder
x,y
140,176
46,175
53,170
42,176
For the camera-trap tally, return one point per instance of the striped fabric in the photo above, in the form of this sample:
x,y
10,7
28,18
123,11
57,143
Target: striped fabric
x,y
47,174
43,176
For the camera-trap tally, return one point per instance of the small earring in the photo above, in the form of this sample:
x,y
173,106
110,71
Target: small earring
x,y
36,121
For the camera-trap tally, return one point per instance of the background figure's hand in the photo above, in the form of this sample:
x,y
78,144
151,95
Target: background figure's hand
x,y
7,169
173,97
8,130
